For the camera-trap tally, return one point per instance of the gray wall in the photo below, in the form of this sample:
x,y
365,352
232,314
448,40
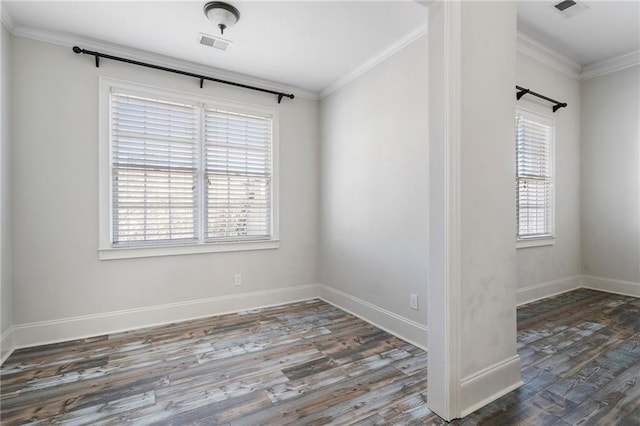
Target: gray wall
x,y
5,191
57,273
611,176
374,191
538,265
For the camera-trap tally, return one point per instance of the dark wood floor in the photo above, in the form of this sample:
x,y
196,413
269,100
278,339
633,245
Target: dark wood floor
x,y
310,363
580,355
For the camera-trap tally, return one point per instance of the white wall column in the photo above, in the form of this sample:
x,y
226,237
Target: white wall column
x,y
472,269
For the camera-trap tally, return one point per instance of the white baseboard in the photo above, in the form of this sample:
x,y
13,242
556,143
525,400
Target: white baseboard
x,y
496,381
45,332
610,285
6,344
406,329
547,289
40,333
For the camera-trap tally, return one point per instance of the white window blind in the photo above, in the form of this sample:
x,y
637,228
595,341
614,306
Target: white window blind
x,y
238,175
183,172
534,176
154,151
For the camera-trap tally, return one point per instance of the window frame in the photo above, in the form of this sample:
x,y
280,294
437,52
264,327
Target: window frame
x,y
106,249
549,239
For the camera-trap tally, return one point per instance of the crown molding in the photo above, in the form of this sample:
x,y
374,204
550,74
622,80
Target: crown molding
x,y
376,59
610,65
6,18
533,48
537,50
70,40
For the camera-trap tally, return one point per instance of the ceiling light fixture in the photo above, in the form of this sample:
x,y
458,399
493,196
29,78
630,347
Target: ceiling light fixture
x,y
221,14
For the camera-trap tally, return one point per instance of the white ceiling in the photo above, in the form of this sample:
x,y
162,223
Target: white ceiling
x,y
606,30
312,44
305,44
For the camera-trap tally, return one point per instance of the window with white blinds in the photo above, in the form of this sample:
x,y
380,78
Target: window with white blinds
x,y
238,175
186,171
154,147
534,175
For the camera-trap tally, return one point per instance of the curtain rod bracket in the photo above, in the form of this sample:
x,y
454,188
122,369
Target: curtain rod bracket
x,y
99,55
522,91
558,106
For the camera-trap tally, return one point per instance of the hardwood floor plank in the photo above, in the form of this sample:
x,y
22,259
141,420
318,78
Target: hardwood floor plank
x,y
412,364
579,386
65,397
551,404
323,399
411,410
226,390
340,373
611,403
577,356
553,309
87,415
309,368
632,419
359,407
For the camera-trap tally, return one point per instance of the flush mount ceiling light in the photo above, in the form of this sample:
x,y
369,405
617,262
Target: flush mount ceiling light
x,y
221,14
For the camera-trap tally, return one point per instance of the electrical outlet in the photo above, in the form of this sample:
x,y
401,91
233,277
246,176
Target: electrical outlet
x,y
237,279
413,301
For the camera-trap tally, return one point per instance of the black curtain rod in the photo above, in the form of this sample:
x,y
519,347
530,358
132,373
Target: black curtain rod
x,y
522,91
99,55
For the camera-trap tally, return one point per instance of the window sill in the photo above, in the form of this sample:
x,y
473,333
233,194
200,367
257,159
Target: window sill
x,y
111,253
535,242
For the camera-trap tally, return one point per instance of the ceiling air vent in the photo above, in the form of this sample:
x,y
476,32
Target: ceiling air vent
x,y
215,42
563,5
570,8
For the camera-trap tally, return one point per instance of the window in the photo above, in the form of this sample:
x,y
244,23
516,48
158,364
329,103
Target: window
x,y
534,178
183,174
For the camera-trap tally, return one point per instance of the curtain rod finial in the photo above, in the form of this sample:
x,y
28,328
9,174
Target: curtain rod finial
x,y
76,49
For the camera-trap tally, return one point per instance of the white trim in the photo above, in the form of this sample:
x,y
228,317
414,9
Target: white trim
x,y
104,167
65,329
611,285
533,48
177,250
6,345
552,288
535,242
387,52
444,257
541,52
496,380
453,205
546,289
6,339
610,65
70,40
6,18
106,251
402,327
45,332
